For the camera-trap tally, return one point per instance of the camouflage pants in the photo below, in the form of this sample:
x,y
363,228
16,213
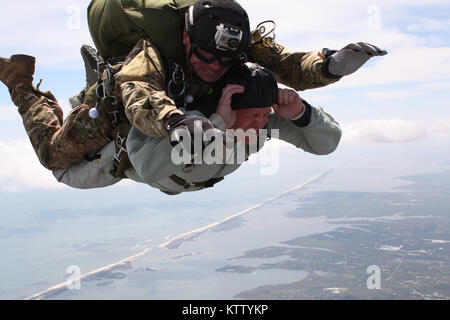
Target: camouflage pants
x,y
60,144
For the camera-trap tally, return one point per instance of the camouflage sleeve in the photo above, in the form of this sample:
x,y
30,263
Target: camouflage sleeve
x,y
298,70
140,85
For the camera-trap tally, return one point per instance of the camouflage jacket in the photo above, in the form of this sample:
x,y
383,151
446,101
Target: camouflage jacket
x,y
141,83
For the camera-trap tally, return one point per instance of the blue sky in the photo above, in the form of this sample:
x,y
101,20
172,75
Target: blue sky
x,y
400,98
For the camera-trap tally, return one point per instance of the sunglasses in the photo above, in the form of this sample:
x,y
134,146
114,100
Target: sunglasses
x,y
223,61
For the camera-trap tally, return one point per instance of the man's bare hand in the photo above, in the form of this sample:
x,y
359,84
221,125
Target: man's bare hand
x,y
224,108
289,104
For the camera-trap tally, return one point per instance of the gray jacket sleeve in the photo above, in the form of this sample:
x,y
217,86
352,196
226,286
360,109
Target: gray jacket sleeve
x,y
150,156
319,134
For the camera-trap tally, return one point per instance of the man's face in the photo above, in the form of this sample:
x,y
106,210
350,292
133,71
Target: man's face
x,y
208,72
252,118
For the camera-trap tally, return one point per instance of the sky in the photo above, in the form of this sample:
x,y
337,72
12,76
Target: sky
x,y
402,98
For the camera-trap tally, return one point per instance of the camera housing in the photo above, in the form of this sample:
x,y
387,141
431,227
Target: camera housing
x,y
228,37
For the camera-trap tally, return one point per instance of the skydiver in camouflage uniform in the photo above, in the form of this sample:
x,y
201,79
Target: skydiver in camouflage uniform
x,y
141,84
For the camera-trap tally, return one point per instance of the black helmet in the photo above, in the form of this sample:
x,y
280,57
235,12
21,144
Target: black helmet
x,y
261,88
220,27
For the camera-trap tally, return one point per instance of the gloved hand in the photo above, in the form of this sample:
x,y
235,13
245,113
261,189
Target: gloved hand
x,y
194,128
352,57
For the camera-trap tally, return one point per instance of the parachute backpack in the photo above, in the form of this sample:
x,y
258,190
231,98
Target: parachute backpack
x,y
117,25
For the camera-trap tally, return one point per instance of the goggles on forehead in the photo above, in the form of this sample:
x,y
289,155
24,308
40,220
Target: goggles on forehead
x,y
223,61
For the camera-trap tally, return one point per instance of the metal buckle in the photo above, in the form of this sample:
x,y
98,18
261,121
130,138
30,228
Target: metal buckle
x,y
118,154
188,184
177,78
120,141
107,83
115,122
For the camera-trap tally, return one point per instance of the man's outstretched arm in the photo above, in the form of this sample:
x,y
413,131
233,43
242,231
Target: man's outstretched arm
x,y
297,70
309,70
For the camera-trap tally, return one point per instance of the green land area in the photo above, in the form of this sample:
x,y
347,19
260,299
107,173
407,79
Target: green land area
x,y
404,234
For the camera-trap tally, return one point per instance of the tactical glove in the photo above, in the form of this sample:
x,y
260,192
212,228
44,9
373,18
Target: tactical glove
x,y
181,126
351,58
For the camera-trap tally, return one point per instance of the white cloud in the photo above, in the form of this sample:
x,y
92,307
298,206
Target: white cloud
x,y
9,113
327,15
20,168
19,165
395,130
411,57
391,94
50,30
429,25
312,25
62,25
402,66
413,91
436,86
25,171
440,128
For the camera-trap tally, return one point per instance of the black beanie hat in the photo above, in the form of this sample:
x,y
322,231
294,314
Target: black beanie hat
x,y
261,88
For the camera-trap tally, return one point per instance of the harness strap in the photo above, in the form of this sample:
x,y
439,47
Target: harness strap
x,y
202,185
120,130
114,109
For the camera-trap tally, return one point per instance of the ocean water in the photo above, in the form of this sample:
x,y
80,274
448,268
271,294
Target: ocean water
x,y
188,247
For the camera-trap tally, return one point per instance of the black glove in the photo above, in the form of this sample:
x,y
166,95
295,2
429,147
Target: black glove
x,y
192,127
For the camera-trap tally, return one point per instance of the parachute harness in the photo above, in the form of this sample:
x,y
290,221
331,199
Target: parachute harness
x,y
107,100
176,89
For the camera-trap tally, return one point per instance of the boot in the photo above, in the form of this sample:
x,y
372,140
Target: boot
x,y
18,69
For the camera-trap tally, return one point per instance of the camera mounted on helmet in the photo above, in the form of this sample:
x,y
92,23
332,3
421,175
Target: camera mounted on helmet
x,y
219,27
227,37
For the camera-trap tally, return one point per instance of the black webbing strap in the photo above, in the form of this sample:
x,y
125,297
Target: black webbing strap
x,y
202,185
